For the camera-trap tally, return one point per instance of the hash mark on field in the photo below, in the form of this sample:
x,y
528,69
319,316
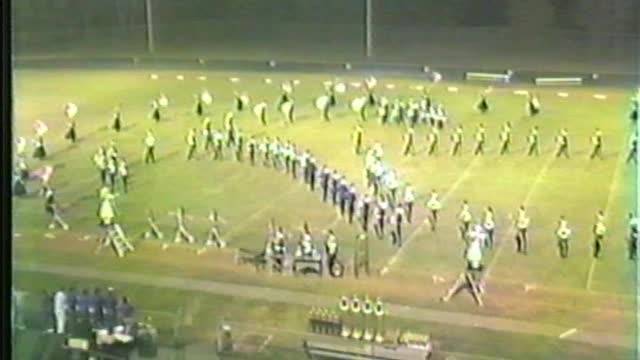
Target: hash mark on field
x,y
265,343
612,187
567,333
510,233
465,174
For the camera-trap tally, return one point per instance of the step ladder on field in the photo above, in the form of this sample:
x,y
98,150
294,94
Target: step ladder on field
x,y
117,238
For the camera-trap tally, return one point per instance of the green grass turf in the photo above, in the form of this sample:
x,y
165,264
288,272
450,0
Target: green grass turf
x,y
248,198
195,316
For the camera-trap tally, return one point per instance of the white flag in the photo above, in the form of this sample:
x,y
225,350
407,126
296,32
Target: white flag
x,y
206,97
70,110
340,88
286,107
259,109
40,128
358,104
322,102
163,100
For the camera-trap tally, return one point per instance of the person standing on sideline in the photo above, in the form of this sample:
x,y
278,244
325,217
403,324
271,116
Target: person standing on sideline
x,y
634,230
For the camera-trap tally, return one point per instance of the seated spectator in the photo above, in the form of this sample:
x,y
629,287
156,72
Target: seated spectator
x,y
108,307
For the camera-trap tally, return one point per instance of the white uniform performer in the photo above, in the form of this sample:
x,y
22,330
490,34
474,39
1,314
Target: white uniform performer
x,y
59,311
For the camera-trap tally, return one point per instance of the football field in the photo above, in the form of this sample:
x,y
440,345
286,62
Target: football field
x,y
592,296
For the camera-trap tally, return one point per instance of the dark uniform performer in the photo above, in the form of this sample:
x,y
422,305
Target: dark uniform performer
x,y
434,206
70,111
365,211
433,139
51,208
522,225
534,142
599,230
251,146
149,146
563,144
287,88
331,249
155,110
634,230
343,195
242,101
635,109
480,138
323,103
483,104
381,217
533,105
287,110
40,152
384,111
408,142
596,140
71,131
260,111
505,138
230,127
117,120
198,108
564,234
351,202
456,139
191,143
207,132
633,149
357,140
324,182
240,146
335,178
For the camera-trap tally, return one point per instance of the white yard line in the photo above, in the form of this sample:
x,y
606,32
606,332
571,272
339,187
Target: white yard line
x,y
612,187
465,174
527,199
259,212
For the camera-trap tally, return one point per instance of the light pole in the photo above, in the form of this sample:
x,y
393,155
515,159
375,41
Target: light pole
x,y
367,30
149,22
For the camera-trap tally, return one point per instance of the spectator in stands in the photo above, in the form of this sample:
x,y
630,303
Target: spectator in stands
x,y
125,313
92,307
71,308
109,304
47,316
82,309
59,311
